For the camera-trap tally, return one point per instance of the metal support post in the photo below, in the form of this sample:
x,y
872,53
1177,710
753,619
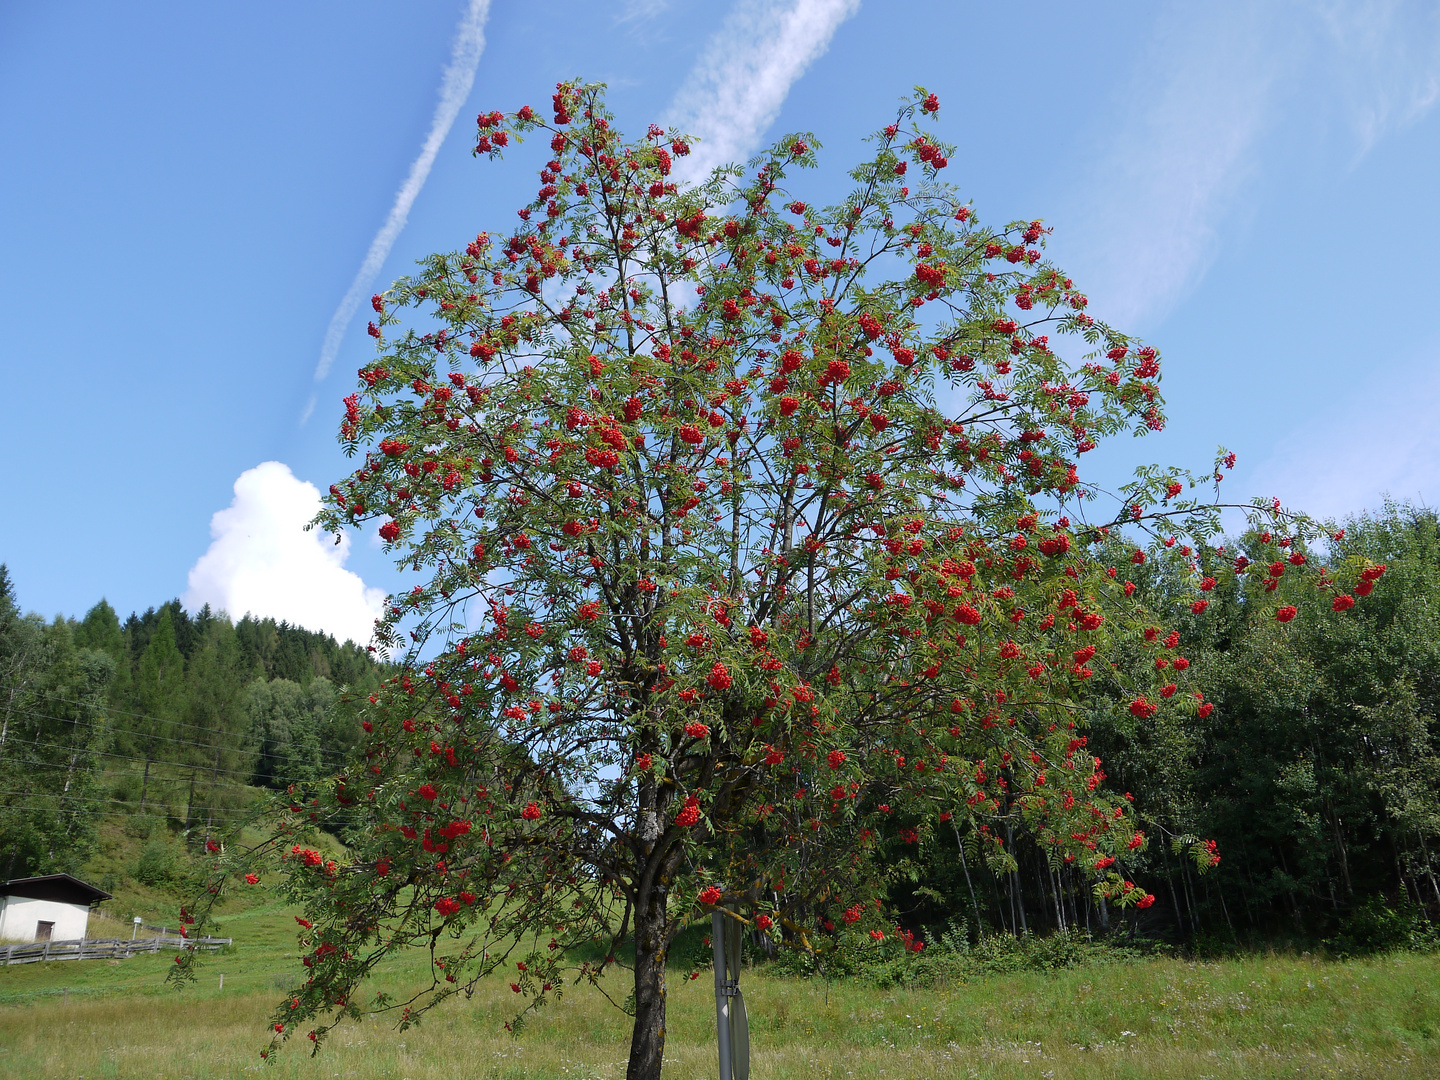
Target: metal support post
x,y
722,993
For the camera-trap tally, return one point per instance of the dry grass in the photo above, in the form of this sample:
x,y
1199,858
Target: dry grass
x,y
1259,1017
99,926
102,926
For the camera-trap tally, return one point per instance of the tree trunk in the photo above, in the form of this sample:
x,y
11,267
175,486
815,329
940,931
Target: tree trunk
x,y
1399,869
1429,870
1344,855
1223,906
60,814
18,665
1170,881
145,783
975,904
1192,904
1000,901
1290,892
1041,871
1040,915
652,946
1017,897
210,810
1055,893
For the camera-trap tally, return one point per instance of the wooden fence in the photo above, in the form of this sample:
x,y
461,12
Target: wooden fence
x,y
102,948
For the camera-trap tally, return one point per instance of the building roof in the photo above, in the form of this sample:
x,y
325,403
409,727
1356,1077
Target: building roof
x,y
62,888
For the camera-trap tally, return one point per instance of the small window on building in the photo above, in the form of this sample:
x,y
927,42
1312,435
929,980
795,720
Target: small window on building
x,y
43,930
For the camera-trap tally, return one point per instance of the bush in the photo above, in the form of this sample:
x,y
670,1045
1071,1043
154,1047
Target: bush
x,y
144,825
156,866
952,958
125,789
1375,927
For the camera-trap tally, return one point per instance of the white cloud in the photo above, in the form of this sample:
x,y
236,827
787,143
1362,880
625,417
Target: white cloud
x,y
1385,62
455,84
263,562
1198,104
640,10
736,89
1209,87
1359,451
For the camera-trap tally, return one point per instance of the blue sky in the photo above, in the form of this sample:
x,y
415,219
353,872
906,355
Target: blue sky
x,y
190,190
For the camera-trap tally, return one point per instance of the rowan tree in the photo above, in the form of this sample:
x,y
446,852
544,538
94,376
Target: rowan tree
x,y
739,525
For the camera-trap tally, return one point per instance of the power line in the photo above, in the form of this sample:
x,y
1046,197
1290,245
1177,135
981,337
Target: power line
x,y
198,767
218,812
232,811
163,738
154,776
140,716
336,761
141,761
222,816
104,798
109,798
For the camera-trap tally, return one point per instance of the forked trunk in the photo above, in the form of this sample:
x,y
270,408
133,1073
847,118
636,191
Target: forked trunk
x,y
652,946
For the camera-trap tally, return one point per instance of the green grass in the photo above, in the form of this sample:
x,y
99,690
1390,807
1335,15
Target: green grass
x,y
1278,1016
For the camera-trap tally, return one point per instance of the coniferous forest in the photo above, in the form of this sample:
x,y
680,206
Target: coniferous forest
x,y
1317,774
171,720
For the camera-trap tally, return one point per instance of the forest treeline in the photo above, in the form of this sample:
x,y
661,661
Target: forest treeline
x,y
168,718
1317,773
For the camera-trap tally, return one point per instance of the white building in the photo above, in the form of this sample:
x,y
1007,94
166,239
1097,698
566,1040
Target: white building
x,y
51,908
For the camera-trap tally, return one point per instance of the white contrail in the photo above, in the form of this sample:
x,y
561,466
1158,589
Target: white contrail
x,y
455,86
735,91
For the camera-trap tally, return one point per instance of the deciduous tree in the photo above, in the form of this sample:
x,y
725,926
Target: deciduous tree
x,y
741,524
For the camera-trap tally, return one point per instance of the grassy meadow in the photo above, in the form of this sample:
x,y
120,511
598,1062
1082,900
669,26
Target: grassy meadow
x,y
1153,1019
